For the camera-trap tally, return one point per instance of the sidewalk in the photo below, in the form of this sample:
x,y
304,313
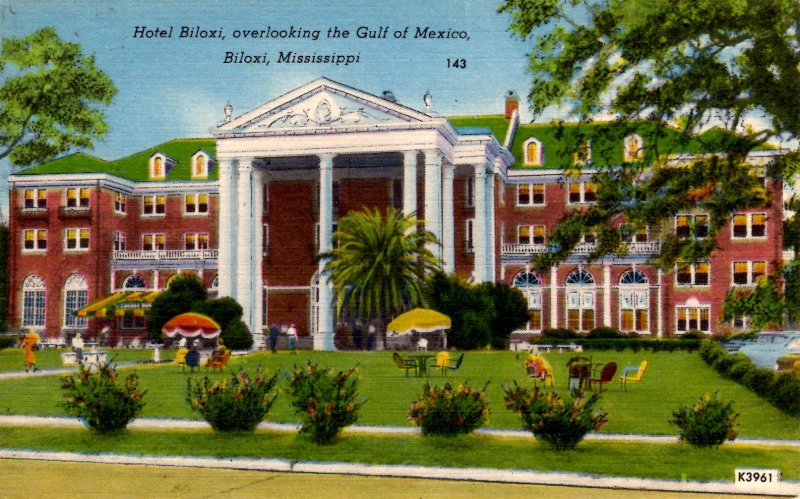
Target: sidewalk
x,y
785,489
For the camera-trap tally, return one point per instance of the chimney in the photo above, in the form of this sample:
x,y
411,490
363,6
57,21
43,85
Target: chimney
x,y
512,103
389,95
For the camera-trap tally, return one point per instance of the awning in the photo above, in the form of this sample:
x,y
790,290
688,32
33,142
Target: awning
x,y
191,325
119,303
421,320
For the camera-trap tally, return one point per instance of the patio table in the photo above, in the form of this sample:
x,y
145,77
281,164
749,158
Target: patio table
x,y
422,362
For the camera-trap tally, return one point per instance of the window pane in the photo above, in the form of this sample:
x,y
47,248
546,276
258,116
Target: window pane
x,y
627,320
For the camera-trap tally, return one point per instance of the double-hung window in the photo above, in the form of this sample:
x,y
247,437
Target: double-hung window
x,y
692,274
152,242
196,204
582,192
76,239
195,241
748,273
691,226
35,199
34,239
77,197
154,205
749,225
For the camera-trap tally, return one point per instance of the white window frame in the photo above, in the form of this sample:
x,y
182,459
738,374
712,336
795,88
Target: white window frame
x,y
469,235
126,283
195,209
586,145
34,302
692,225
469,192
80,245
77,202
688,308
165,164
76,296
749,226
531,195
154,198
752,279
539,159
154,236
638,157
198,236
532,233
634,296
38,202
36,240
693,275
530,284
120,203
120,241
581,297
581,192
635,233
206,164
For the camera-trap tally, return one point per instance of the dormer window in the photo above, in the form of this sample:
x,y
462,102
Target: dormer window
x,y
534,152
160,166
633,149
201,164
583,155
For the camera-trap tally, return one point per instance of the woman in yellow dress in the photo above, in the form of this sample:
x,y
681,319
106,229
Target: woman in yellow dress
x,y
28,344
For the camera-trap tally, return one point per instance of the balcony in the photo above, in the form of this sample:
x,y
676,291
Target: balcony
x,y
74,212
31,213
157,255
638,248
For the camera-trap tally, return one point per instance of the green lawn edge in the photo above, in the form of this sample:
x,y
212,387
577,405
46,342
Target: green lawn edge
x,y
616,459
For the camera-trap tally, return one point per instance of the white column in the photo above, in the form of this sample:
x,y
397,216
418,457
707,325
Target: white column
x,y
227,206
448,227
660,305
490,233
479,230
244,240
607,295
155,278
554,297
258,254
323,339
433,197
409,182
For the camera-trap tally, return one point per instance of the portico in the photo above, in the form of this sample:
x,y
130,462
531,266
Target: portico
x,y
308,146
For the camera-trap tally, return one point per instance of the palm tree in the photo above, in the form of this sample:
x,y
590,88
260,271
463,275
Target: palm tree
x,y
379,265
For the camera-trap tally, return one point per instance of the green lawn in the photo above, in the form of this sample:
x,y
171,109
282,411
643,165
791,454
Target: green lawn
x,y
665,461
672,379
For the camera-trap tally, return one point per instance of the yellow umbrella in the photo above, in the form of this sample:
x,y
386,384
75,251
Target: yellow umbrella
x,y
421,320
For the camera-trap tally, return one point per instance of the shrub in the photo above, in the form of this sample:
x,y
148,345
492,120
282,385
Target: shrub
x,y
239,403
693,334
707,423
223,310
604,332
100,400
759,380
326,401
561,423
785,393
449,411
559,333
7,341
236,335
738,369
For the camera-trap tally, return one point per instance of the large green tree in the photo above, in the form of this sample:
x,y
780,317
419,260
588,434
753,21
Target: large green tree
x,y
183,294
379,264
51,98
692,64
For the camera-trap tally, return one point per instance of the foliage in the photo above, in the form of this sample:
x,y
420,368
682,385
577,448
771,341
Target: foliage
x,y
239,403
236,335
326,401
449,410
223,310
605,332
707,423
50,99
764,305
561,423
105,404
705,63
510,311
379,265
470,311
183,292
559,333
785,393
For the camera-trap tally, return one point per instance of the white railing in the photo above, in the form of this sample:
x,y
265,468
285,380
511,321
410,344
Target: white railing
x,y
200,254
645,248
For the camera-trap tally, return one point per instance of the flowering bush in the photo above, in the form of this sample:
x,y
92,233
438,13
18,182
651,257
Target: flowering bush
x,y
100,400
561,423
326,401
239,403
449,411
707,423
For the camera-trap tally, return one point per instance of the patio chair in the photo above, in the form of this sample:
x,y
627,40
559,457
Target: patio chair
x,y
455,366
422,345
442,361
406,364
218,362
539,369
632,374
180,357
607,373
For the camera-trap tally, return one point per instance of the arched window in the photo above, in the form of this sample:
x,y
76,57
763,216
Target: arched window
x,y
580,300
583,155
33,301
633,149
199,165
634,302
534,152
76,296
134,282
158,167
214,288
531,286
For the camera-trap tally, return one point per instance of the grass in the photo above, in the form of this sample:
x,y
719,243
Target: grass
x,y
672,379
664,461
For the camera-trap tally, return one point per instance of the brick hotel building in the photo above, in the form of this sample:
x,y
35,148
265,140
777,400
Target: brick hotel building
x,y
248,210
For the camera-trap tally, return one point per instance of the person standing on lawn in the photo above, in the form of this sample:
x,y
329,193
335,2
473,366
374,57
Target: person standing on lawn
x,y
291,336
29,345
273,337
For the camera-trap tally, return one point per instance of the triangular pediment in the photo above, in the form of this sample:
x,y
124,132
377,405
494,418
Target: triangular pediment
x,y
324,104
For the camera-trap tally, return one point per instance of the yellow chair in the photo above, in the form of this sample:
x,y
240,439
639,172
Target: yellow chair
x,y
632,374
406,364
180,357
539,368
442,361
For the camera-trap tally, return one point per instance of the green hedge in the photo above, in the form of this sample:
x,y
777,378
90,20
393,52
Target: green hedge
x,y
780,389
606,338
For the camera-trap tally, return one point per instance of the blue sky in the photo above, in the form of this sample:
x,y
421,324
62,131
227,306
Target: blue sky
x,y
170,88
